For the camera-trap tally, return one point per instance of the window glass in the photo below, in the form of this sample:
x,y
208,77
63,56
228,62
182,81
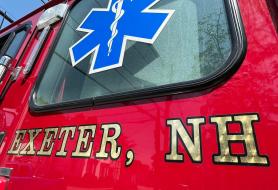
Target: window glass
x,y
273,8
16,43
195,43
3,42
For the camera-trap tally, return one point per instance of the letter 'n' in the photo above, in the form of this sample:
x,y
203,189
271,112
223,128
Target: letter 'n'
x,y
192,145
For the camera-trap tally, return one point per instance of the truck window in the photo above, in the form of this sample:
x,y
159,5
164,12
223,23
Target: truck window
x,y
3,43
273,8
195,44
16,43
11,42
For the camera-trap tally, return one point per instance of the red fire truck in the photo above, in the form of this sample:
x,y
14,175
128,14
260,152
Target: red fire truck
x,y
190,103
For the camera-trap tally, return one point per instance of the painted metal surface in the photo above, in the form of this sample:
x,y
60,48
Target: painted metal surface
x,y
252,89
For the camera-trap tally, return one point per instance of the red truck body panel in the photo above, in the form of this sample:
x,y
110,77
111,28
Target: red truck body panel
x,y
253,89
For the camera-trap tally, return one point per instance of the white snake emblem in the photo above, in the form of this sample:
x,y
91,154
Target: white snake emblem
x,y
117,9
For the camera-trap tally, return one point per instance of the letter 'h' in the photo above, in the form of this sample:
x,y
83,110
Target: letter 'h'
x,y
251,156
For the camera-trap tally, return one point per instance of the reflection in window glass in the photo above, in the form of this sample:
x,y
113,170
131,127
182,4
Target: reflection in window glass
x,y
16,43
194,44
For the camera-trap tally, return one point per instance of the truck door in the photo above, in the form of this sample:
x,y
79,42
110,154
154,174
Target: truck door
x,y
150,94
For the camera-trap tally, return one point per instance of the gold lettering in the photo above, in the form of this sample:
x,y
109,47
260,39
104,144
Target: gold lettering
x,y
47,144
85,145
20,134
247,137
29,148
66,131
115,149
193,146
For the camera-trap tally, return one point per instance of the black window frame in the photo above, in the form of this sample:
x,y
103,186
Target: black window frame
x,y
238,52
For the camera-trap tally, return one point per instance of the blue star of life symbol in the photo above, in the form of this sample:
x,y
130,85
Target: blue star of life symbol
x,y
109,29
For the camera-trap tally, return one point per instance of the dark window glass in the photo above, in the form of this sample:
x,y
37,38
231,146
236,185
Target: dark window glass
x,y
16,43
2,135
273,8
194,44
3,42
